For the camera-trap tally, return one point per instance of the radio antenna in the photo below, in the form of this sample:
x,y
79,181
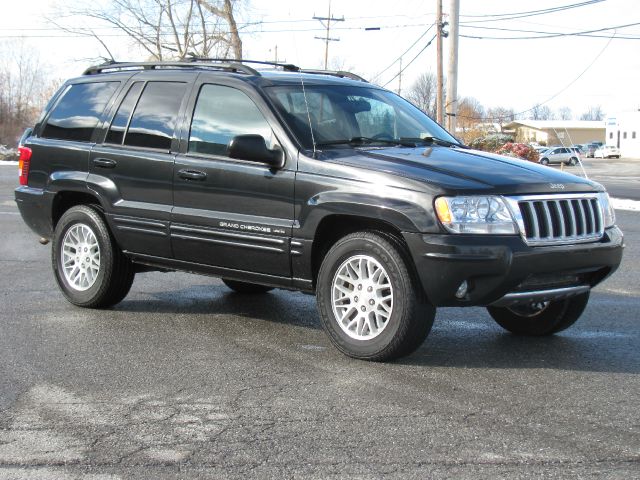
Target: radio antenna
x,y
306,104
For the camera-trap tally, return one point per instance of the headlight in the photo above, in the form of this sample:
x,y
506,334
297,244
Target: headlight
x,y
475,214
608,214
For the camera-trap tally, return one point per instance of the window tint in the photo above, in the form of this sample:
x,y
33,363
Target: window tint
x,y
154,119
77,113
221,113
120,121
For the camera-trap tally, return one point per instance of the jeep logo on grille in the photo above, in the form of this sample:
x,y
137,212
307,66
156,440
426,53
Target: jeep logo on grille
x,y
557,186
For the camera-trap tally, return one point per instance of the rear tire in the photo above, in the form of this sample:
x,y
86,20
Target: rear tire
x,y
573,161
89,267
544,161
540,319
370,304
245,287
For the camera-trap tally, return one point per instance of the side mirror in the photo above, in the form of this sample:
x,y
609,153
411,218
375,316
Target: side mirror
x,y
254,148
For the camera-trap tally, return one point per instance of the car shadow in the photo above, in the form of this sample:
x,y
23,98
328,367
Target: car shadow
x,y
461,337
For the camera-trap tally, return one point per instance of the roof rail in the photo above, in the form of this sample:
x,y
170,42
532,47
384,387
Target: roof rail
x,y
335,73
122,66
215,63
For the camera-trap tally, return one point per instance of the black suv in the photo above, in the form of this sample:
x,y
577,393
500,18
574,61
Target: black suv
x,y
305,180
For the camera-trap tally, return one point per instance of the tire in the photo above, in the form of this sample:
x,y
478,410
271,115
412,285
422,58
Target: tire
x,y
101,279
391,318
544,161
552,318
245,287
573,161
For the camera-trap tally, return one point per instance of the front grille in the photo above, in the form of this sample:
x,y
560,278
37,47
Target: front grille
x,y
562,219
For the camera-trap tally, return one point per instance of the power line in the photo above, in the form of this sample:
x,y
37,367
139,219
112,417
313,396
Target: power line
x,y
555,95
532,13
404,53
412,60
549,34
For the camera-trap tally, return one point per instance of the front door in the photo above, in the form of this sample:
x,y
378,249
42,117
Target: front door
x,y
231,213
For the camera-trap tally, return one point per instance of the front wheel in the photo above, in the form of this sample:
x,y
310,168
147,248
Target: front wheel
x,y
89,267
540,318
370,304
544,161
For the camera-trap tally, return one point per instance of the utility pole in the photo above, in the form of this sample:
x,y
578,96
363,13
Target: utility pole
x,y
327,38
439,72
452,75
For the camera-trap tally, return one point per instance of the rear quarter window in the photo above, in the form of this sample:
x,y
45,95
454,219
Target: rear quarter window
x,y
77,113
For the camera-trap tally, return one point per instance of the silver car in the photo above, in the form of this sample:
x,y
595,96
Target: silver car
x,y
566,155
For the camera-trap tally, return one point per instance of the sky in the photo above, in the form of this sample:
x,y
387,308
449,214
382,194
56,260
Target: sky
x,y
573,71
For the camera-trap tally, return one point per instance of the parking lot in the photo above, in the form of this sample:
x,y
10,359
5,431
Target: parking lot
x,y
185,379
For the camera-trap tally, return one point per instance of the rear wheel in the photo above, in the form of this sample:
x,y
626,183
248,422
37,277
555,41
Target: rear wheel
x,y
573,161
544,161
370,304
89,267
540,318
245,287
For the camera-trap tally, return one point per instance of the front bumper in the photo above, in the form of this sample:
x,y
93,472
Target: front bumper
x,y
502,270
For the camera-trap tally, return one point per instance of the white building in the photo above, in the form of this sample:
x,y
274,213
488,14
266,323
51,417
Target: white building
x,y
623,131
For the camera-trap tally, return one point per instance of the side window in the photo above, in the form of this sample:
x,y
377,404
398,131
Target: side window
x,y
121,120
221,113
154,118
78,111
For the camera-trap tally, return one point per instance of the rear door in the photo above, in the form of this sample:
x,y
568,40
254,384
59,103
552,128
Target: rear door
x,y
133,166
231,213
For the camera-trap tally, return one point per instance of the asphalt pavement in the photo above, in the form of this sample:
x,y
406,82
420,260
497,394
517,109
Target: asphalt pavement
x,y
185,379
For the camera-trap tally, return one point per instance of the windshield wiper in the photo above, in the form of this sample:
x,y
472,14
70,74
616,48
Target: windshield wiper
x,y
436,140
367,140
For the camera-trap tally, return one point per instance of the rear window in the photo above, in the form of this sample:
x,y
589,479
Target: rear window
x,y
78,111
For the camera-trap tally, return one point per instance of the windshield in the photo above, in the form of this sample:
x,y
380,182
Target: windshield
x,y
339,113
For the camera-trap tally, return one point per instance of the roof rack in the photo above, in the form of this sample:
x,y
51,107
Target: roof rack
x,y
335,73
123,66
214,63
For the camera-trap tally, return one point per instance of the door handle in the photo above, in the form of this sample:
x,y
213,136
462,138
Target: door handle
x,y
104,163
192,174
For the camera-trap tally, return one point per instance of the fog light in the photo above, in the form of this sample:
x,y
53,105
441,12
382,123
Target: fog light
x,y
462,290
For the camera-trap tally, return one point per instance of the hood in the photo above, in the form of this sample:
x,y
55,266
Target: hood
x,y
463,170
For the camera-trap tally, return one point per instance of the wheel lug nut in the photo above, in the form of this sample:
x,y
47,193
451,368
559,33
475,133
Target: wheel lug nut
x,y
363,308
371,302
355,299
370,289
359,287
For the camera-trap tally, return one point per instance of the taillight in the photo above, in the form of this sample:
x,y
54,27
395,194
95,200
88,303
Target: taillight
x,y
23,164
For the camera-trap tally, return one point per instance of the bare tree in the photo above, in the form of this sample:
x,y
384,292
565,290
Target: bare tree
x,y
169,29
593,113
501,115
564,113
423,93
24,89
540,112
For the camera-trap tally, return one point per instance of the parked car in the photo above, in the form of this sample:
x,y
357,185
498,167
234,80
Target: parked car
x,y
607,151
564,155
591,150
305,180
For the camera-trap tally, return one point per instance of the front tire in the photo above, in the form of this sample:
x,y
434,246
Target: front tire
x,y
370,304
89,267
540,319
544,161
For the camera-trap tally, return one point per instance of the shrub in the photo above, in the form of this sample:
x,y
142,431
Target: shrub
x,y
519,150
491,142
